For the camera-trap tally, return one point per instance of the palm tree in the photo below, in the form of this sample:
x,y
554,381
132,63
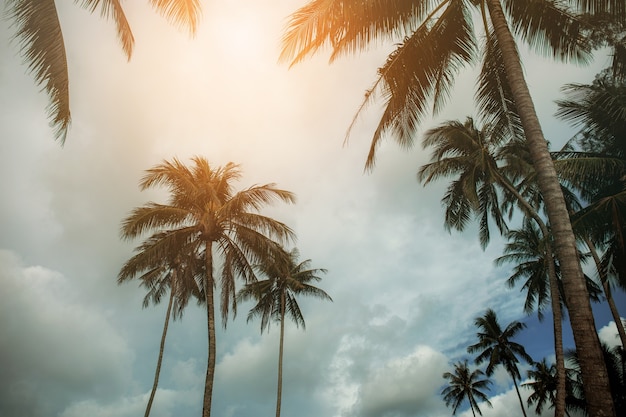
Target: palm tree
x,y
205,217
40,37
543,384
276,297
497,347
159,272
465,385
598,174
434,40
486,162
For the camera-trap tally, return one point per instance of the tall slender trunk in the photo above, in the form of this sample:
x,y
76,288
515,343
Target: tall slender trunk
x,y
593,368
161,348
521,403
210,369
555,300
279,391
557,326
604,279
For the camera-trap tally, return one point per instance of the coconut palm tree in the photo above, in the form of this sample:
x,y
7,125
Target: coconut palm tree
x,y
598,174
496,347
543,384
40,37
434,39
464,384
205,217
491,172
175,272
276,297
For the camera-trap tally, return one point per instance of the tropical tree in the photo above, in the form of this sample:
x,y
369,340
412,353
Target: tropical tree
x,y
491,173
38,32
598,173
543,384
161,270
464,384
275,296
204,216
496,347
434,40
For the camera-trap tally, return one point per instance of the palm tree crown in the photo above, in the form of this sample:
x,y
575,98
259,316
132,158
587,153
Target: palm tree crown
x,y
464,384
286,279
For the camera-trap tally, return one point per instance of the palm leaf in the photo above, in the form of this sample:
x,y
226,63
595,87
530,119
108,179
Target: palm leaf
x,y
39,35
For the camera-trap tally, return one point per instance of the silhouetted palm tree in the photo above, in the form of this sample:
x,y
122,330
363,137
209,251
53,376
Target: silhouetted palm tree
x,y
286,278
39,34
464,384
598,174
496,347
490,171
434,39
205,217
161,270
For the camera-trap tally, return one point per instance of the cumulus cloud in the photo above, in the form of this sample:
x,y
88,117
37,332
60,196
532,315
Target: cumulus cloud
x,y
58,348
405,386
608,334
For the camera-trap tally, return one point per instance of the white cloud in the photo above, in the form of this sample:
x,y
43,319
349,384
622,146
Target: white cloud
x,y
608,334
404,386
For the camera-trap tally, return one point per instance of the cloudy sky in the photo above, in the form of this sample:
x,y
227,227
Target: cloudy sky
x,y
405,292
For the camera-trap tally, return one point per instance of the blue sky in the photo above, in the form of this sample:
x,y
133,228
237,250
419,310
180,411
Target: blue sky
x,y
405,291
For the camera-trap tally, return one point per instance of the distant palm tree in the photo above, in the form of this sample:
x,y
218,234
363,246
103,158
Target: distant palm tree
x,y
204,215
276,297
496,346
464,384
161,272
543,385
39,33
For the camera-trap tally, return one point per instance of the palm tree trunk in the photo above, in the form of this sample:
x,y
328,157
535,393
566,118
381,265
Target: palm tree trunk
x,y
607,293
595,378
161,348
555,300
280,354
210,369
557,325
521,403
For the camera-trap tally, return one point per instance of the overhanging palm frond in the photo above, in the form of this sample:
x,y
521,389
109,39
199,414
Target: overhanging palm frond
x,y
39,35
549,28
185,13
323,22
422,68
114,8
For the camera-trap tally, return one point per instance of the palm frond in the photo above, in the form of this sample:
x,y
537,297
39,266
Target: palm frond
x,y
347,26
549,28
185,13
422,68
39,35
114,8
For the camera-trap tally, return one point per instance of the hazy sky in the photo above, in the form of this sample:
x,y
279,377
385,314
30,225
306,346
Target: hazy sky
x,y
405,291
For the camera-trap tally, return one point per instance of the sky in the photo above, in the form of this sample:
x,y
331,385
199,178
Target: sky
x,y
405,291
